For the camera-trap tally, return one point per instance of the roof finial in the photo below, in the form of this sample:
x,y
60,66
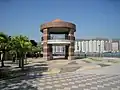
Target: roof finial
x,y
57,20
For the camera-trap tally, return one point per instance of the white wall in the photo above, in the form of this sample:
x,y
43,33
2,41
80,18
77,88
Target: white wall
x,y
86,46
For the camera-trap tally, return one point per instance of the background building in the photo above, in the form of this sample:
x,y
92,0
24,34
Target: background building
x,y
115,45
97,45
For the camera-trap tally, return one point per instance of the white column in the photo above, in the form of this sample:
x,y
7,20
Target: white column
x,y
102,45
86,46
82,46
56,48
94,46
61,48
79,46
90,46
53,49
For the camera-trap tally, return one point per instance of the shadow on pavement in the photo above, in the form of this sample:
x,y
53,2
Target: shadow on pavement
x,y
23,80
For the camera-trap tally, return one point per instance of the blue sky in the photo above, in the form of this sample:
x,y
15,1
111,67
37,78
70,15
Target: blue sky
x,y
93,18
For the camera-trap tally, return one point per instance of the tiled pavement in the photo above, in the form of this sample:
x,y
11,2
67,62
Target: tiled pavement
x,y
100,79
70,81
77,81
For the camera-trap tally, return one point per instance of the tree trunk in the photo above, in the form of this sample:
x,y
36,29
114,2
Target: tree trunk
x,y
13,57
22,63
3,58
20,59
16,56
0,56
25,59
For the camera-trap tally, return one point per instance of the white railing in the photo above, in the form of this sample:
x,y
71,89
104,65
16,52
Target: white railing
x,y
58,41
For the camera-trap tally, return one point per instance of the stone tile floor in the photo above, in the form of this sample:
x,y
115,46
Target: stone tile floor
x,y
64,81
100,79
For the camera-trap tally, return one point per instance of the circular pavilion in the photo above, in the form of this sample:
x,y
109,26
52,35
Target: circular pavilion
x,y
58,27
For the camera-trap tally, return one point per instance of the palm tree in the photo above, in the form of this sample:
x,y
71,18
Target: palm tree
x,y
4,46
21,45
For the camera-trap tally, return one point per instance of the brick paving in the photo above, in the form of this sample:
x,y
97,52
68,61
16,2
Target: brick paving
x,y
67,81
77,81
100,79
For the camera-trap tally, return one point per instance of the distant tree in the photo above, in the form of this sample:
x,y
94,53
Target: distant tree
x,y
37,49
39,45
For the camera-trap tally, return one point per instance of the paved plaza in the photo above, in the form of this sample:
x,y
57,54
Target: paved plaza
x,y
65,81
106,78
77,81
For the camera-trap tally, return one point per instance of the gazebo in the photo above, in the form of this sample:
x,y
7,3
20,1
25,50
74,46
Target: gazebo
x,y
58,26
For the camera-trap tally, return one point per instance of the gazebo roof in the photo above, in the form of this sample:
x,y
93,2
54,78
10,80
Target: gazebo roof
x,y
58,23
